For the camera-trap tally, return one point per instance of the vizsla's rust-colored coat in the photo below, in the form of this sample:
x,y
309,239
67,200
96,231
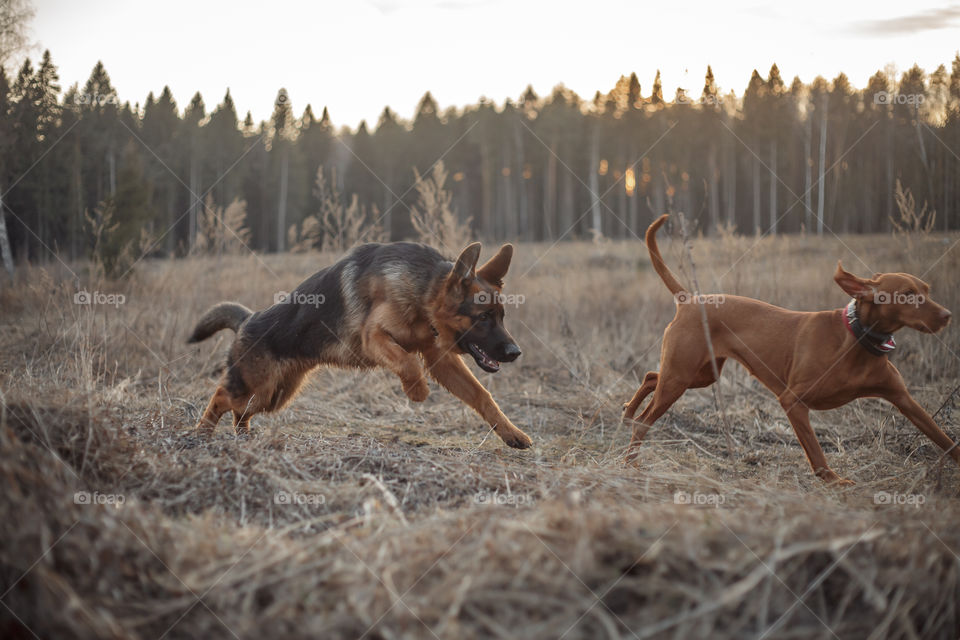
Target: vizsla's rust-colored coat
x,y
808,360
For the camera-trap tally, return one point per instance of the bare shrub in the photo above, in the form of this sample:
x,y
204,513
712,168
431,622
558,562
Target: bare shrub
x,y
911,221
307,237
433,217
336,227
111,252
222,231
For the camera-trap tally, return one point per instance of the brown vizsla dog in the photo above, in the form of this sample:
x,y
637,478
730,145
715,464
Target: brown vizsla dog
x,y
809,360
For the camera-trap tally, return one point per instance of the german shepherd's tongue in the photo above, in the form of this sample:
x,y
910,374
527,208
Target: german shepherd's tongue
x,y
483,360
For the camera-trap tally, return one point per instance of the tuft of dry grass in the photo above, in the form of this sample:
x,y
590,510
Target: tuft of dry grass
x,y
355,513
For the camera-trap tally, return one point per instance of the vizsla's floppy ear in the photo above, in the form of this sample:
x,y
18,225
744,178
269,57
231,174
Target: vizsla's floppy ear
x,y
858,288
496,267
466,264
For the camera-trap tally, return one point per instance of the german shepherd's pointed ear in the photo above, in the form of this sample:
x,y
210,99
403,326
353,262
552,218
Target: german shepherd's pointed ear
x,y
854,286
496,267
466,265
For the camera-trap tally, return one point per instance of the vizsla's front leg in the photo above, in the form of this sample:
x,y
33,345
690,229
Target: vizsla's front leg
x,y
799,416
909,407
450,371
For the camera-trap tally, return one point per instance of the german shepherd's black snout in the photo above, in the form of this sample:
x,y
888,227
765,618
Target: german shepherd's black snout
x,y
510,352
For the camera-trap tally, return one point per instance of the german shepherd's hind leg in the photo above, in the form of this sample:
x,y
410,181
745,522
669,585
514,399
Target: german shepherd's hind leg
x,y
450,371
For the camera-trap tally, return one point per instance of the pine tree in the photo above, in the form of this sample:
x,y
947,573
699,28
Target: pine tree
x,y
160,133
131,212
656,97
281,135
194,159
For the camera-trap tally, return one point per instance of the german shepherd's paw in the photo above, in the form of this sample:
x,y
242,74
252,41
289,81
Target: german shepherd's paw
x,y
417,391
516,439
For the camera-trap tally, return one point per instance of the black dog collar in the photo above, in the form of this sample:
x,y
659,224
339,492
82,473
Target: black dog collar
x,y
878,344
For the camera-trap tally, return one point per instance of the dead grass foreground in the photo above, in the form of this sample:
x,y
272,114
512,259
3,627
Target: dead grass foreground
x,y
355,514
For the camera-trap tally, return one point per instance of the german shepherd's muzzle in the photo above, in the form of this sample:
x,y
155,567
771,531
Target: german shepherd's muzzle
x,y
401,306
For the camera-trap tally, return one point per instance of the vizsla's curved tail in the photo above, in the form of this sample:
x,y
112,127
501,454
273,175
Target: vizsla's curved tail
x,y
658,264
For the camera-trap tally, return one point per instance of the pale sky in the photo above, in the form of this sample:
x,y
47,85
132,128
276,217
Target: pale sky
x,y
356,56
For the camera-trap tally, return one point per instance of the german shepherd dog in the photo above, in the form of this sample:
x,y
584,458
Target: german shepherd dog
x,y
381,305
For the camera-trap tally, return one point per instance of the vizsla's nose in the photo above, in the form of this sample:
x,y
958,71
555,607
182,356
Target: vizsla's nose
x,y
945,314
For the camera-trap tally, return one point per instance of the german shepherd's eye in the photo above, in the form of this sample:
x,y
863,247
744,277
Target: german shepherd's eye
x,y
483,317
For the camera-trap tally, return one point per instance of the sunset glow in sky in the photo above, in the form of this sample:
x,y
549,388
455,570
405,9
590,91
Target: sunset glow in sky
x,y
356,56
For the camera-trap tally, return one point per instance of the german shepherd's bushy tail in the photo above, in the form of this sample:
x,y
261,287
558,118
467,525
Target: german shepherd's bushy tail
x,y
226,315
658,264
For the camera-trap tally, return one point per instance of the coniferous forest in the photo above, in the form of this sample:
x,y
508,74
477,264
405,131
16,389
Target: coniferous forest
x,y
779,157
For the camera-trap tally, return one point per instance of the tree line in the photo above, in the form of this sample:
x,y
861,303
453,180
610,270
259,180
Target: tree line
x,y
823,156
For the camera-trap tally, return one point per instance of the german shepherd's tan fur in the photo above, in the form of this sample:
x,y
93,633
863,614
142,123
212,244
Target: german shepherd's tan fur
x,y
401,306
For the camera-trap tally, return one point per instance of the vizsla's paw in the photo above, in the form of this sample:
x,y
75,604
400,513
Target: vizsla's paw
x,y
631,456
417,391
515,438
831,478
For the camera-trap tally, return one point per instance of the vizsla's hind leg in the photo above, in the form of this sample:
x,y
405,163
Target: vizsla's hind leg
x,y
646,388
668,389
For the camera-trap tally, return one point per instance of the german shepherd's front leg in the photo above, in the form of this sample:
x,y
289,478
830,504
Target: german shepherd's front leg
x,y
384,350
450,371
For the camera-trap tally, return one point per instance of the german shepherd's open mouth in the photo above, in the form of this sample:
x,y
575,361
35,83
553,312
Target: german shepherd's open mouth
x,y
483,360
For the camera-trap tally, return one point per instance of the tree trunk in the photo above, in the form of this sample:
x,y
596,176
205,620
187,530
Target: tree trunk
x,y
714,188
550,194
112,164
594,180
524,218
5,239
509,229
822,167
757,215
773,186
282,205
808,173
194,201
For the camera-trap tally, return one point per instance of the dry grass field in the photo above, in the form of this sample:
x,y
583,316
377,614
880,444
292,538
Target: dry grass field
x,y
356,513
